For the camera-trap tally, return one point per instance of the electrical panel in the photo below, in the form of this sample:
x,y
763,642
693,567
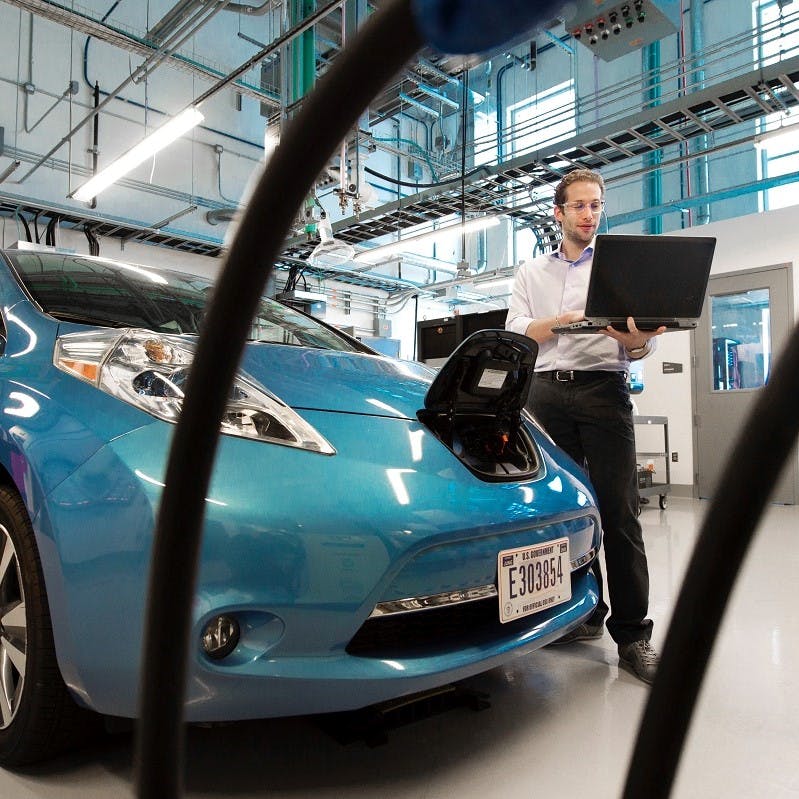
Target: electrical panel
x,y
382,327
611,29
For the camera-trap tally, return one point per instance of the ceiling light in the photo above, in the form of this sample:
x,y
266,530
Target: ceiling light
x,y
492,279
384,251
9,170
456,295
138,154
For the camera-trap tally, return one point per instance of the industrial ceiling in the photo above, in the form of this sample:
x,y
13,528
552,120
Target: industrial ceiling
x,y
236,53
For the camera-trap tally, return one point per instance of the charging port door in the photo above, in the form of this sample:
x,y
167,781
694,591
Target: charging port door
x,y
474,405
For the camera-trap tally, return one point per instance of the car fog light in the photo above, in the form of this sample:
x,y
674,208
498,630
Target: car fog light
x,y
220,636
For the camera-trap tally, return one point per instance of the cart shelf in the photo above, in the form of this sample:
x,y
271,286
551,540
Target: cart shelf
x,y
661,489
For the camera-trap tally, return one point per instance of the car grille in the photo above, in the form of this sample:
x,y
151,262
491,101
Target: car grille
x,y
432,631
441,623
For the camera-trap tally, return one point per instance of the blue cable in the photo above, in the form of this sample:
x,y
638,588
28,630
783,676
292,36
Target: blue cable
x,y
475,26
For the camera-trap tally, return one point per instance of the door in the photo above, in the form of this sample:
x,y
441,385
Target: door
x,y
745,322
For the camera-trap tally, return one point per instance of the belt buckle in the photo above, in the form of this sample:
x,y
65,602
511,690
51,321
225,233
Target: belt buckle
x,y
564,375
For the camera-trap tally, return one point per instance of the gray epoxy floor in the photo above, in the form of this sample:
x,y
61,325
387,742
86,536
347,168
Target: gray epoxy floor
x,y
562,721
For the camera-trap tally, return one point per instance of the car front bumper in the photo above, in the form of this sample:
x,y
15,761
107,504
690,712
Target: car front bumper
x,y
301,548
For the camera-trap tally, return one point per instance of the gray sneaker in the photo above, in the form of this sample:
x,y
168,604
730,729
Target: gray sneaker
x,y
640,659
584,632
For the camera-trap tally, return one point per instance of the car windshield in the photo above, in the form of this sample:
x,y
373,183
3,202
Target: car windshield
x,y
95,291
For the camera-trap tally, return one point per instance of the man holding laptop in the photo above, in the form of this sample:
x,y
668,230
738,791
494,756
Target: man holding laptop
x,y
581,397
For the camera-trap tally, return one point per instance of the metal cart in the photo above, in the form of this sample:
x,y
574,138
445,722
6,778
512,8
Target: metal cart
x,y
645,487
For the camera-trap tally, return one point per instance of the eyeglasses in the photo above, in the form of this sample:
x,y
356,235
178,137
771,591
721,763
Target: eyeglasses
x,y
597,206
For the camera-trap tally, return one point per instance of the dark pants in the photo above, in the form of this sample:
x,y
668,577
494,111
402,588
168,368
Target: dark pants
x,y
591,419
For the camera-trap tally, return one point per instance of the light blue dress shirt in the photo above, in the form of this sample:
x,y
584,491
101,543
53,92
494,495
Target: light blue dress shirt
x,y
548,286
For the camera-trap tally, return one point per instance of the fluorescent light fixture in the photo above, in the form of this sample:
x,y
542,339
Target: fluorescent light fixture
x,y
494,283
382,252
138,154
9,170
464,295
496,278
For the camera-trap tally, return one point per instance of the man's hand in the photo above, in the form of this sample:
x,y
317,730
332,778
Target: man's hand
x,y
541,329
568,317
635,339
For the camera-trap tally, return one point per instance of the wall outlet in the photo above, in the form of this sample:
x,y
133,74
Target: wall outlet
x,y
674,457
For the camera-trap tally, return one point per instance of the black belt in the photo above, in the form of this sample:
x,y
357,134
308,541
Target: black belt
x,y
572,376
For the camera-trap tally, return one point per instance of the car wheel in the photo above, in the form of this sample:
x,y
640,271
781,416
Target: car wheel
x,y
663,502
38,717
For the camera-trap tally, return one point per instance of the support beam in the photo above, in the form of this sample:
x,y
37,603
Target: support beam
x,y
699,200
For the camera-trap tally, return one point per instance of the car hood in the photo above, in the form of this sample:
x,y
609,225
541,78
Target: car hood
x,y
346,382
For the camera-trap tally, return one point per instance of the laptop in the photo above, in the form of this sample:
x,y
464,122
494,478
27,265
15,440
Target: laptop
x,y
658,280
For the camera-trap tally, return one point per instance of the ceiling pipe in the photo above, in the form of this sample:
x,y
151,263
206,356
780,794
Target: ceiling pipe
x,y
185,30
219,216
297,30
653,183
107,33
701,165
172,217
162,28
156,59
165,27
9,170
697,201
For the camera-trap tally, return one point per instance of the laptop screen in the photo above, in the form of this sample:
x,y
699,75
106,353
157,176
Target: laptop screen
x,y
660,277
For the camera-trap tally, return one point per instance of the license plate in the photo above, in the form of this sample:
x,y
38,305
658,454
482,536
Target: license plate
x,y
533,578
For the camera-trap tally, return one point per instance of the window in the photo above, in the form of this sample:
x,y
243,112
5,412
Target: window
x,y
778,149
741,345
778,31
541,120
538,121
485,138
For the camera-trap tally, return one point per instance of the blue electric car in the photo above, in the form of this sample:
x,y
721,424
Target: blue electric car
x,y
373,528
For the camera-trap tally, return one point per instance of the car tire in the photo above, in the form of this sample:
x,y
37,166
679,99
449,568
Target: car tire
x,y
38,717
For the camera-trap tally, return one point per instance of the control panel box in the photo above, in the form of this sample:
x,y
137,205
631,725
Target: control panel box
x,y
611,29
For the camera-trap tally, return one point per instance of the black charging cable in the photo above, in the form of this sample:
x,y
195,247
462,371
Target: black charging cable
x,y
752,470
387,40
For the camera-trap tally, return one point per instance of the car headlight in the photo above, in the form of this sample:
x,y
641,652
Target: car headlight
x,y
150,370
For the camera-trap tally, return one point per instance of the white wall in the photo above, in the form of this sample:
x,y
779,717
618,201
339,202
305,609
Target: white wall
x,y
747,242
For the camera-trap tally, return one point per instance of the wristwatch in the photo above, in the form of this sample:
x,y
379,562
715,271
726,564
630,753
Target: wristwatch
x,y
639,352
